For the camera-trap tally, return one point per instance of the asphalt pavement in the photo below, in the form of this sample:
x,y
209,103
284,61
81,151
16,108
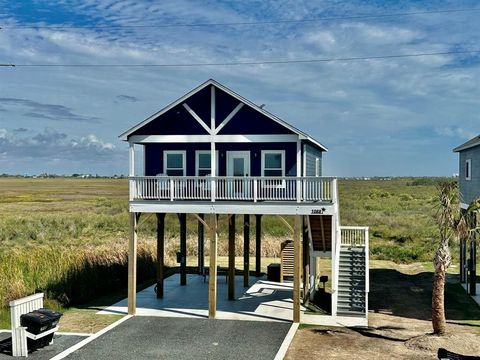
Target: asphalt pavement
x,y
144,337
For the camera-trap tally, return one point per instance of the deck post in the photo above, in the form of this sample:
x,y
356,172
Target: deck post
x,y
183,248
212,271
258,245
473,267
296,268
201,245
131,170
246,249
160,253
463,261
306,261
132,264
231,257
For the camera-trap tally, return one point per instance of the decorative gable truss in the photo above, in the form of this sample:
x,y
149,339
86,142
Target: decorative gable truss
x,y
213,130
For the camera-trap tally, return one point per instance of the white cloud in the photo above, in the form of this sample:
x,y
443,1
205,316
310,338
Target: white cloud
x,y
338,102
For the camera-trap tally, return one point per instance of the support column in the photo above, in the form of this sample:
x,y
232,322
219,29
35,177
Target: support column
x,y
246,250
306,261
201,245
183,249
231,257
463,260
212,271
473,267
258,245
296,268
160,253
132,264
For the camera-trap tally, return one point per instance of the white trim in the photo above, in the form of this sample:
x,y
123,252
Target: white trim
x,y
231,207
317,166
304,160
286,342
228,118
212,82
131,158
196,117
142,139
212,109
89,339
245,155
198,152
184,160
264,152
468,165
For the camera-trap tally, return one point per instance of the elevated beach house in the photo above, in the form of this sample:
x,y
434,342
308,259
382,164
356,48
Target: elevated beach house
x,y
214,155
469,188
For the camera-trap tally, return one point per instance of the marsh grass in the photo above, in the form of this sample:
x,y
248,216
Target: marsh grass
x,y
68,237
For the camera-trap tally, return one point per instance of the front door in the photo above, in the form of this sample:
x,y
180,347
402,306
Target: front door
x,y
238,165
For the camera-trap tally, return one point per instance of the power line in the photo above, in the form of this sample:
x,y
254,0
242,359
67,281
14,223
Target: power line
x,y
262,62
242,23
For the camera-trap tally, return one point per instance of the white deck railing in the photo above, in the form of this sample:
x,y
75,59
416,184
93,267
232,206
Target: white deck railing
x,y
354,235
254,189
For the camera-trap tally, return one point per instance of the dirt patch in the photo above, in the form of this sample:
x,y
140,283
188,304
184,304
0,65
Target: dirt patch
x,y
392,336
399,322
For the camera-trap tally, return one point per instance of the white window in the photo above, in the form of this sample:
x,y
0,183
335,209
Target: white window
x,y
317,166
273,163
468,169
174,163
202,162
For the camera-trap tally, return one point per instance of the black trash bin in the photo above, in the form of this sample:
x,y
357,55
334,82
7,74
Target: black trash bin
x,y
37,322
273,272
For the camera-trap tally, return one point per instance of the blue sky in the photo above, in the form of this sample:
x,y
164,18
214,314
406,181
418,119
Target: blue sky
x,y
377,117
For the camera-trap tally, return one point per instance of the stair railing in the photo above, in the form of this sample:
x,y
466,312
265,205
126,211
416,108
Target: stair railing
x,y
336,246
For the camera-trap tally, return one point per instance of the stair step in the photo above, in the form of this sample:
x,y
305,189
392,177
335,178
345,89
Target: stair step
x,y
351,313
348,303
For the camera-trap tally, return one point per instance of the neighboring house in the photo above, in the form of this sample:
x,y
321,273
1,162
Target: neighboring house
x,y
214,153
469,188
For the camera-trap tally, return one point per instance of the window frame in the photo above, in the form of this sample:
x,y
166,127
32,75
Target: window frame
x,y
265,152
468,169
197,162
184,161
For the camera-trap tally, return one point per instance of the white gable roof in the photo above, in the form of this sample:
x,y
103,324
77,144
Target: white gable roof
x,y
301,134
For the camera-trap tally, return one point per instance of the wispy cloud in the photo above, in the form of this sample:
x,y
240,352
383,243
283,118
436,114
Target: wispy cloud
x,y
45,111
126,98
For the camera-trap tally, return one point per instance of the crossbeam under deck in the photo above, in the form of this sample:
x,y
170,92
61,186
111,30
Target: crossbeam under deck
x,y
233,207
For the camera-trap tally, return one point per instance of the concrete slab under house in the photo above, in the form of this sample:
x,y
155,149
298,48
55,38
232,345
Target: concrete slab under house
x,y
216,156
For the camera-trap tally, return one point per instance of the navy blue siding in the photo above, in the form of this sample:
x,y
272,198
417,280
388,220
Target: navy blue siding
x,y
176,121
225,104
154,156
250,121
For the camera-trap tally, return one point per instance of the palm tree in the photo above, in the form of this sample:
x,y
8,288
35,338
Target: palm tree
x,y
449,222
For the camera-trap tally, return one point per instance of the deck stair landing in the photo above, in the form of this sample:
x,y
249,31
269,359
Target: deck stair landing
x,y
351,282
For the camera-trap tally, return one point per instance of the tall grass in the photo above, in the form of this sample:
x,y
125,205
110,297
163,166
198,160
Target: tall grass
x,y
69,237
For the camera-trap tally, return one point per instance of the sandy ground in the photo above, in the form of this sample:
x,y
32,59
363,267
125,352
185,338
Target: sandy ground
x,y
399,323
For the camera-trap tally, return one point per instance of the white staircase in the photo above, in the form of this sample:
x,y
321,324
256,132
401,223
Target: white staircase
x,y
351,264
351,282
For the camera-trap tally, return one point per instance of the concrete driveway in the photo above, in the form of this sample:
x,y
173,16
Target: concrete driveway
x,y
144,337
